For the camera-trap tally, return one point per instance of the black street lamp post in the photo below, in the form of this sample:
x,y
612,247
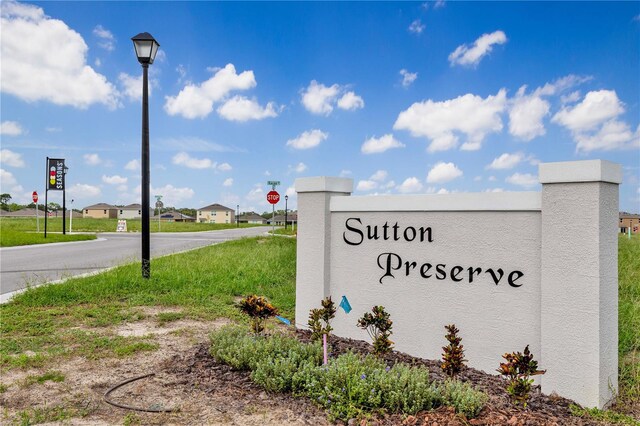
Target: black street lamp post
x,y
146,48
64,200
286,200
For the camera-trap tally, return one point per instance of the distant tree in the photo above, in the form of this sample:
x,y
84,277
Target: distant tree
x,y
187,211
4,200
53,206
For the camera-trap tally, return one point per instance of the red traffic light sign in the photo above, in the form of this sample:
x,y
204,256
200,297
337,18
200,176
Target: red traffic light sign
x,y
273,197
34,196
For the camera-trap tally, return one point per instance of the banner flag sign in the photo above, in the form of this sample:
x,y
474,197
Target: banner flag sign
x,y
344,304
283,320
55,174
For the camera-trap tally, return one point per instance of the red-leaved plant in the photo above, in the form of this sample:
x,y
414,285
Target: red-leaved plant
x,y
518,369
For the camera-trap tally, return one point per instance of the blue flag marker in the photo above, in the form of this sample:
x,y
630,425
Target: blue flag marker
x,y
344,304
284,320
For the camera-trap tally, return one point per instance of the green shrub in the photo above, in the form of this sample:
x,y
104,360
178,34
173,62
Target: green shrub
x,y
348,386
276,374
408,389
463,398
233,346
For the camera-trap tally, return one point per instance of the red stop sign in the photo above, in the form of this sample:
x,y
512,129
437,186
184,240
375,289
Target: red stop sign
x,y
34,196
273,197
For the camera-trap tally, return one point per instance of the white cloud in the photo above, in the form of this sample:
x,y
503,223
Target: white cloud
x,y
443,172
92,159
228,182
345,173
114,180
133,165
184,159
381,144
318,98
612,135
411,184
256,194
107,40
408,77
594,123
468,114
596,108
379,176
132,86
350,102
570,98
243,109
300,167
526,115
196,101
492,179
84,191
224,167
6,180
172,196
52,65
416,27
10,158
308,139
506,161
526,180
366,185
10,128
471,55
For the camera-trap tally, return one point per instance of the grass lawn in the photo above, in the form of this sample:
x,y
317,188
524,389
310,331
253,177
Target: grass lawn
x,y
22,231
69,319
11,238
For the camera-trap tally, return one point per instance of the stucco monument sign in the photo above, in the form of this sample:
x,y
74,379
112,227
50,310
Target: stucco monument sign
x,y
509,269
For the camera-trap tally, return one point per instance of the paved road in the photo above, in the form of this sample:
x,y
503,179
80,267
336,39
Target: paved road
x,y
37,264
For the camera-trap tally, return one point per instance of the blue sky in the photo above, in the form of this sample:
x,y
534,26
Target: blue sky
x,y
404,98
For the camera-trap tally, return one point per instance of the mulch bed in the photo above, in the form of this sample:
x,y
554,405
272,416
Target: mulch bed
x,y
200,369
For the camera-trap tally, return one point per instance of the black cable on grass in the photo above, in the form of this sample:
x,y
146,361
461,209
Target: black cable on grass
x,y
127,407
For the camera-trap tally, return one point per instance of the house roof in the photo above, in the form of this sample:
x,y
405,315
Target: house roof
x,y
22,213
172,215
215,207
251,216
625,215
100,206
291,217
132,207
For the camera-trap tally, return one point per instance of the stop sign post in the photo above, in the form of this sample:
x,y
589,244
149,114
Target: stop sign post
x,y
34,197
273,197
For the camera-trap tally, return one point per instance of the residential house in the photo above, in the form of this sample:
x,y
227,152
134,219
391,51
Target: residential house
x,y
28,212
216,213
132,211
173,216
278,220
100,211
628,220
252,217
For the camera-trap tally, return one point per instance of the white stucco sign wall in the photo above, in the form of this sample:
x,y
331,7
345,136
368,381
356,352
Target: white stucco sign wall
x,y
509,269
